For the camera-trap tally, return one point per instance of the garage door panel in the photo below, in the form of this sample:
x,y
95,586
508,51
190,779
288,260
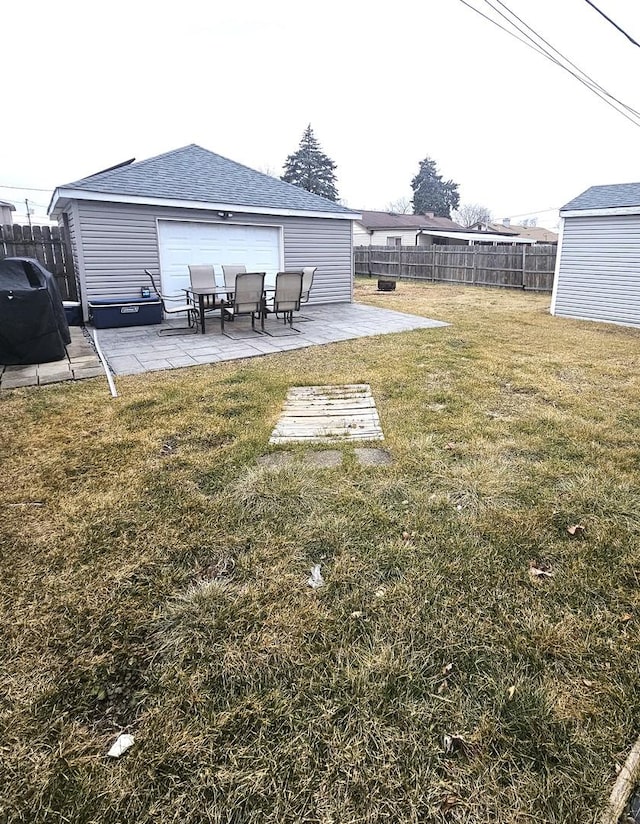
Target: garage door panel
x,y
183,243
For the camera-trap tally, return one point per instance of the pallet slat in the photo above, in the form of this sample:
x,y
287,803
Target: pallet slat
x,y
323,413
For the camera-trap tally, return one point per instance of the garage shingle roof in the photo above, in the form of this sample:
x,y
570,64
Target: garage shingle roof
x,y
606,197
196,174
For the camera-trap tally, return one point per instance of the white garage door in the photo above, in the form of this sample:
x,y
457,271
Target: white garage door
x,y
185,242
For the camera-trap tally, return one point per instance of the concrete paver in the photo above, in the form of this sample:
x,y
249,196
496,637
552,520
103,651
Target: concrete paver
x,y
137,349
80,362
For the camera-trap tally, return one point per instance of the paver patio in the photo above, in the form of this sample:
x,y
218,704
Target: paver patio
x,y
81,362
137,349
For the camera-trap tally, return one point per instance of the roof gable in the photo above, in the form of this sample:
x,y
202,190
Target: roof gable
x,y
615,196
196,174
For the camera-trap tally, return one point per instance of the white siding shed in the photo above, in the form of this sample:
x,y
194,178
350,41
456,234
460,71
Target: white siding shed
x,y
598,264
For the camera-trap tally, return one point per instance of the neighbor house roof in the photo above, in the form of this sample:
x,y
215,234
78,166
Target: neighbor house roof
x,y
197,176
616,196
496,228
393,220
537,233
7,205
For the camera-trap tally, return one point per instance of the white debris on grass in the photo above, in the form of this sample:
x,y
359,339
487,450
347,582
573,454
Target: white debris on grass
x,y
316,580
121,745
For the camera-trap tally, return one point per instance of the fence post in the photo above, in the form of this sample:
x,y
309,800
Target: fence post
x,y
475,263
524,263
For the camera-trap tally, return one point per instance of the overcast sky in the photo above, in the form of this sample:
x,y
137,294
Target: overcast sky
x,y
383,85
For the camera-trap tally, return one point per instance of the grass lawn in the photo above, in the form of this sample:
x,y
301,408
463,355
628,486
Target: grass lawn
x,y
154,579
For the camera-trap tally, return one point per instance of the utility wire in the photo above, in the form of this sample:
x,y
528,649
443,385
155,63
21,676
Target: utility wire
x,y
25,188
530,43
588,82
564,57
613,23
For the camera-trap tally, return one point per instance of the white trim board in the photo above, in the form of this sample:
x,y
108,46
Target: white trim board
x,y
556,274
618,210
234,208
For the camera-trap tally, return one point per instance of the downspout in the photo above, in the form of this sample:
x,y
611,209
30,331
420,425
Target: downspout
x,y
417,236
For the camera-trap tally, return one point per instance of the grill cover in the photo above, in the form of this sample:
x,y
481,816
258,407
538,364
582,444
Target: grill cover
x,y
33,325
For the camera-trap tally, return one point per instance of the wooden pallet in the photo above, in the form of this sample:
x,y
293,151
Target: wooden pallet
x,y
328,413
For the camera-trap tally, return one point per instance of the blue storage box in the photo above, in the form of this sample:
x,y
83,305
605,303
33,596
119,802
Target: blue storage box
x,y
73,311
106,313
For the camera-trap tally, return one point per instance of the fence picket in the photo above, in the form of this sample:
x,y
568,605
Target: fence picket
x,y
511,267
46,244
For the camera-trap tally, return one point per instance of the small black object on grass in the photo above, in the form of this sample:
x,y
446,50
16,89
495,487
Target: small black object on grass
x,y
386,285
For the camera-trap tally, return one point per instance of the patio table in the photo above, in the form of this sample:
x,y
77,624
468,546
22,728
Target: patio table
x,y
213,297
207,297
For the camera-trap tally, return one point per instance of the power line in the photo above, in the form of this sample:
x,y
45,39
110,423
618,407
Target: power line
x,y
25,188
595,87
613,23
629,113
564,57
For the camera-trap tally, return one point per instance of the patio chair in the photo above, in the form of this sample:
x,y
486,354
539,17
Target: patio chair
x,y
230,274
307,282
202,275
169,308
248,299
286,298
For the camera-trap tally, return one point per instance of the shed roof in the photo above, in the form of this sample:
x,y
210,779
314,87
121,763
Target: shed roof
x,y
615,196
194,174
7,205
482,237
393,220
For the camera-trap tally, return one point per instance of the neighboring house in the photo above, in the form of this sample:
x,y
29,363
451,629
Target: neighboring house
x,y
536,233
6,213
193,206
597,273
392,229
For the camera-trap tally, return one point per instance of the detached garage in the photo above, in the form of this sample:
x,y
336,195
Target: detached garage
x,y
598,265
193,206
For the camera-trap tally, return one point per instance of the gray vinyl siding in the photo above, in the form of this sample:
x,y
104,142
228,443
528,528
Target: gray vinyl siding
x,y
599,269
119,241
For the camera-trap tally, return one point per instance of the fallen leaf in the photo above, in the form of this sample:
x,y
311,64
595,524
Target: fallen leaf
x,y
405,536
453,743
447,668
450,445
449,802
626,617
536,572
357,614
380,593
587,683
442,687
575,529
511,692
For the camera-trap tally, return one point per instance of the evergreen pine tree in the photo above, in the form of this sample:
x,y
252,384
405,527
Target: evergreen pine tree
x,y
311,169
433,194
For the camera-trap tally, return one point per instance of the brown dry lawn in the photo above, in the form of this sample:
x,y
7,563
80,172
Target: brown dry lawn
x,y
153,580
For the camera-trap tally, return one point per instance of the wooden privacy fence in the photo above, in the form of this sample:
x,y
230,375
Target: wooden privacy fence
x,y
48,245
514,267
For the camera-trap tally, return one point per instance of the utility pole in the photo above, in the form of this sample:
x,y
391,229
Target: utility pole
x,y
26,202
